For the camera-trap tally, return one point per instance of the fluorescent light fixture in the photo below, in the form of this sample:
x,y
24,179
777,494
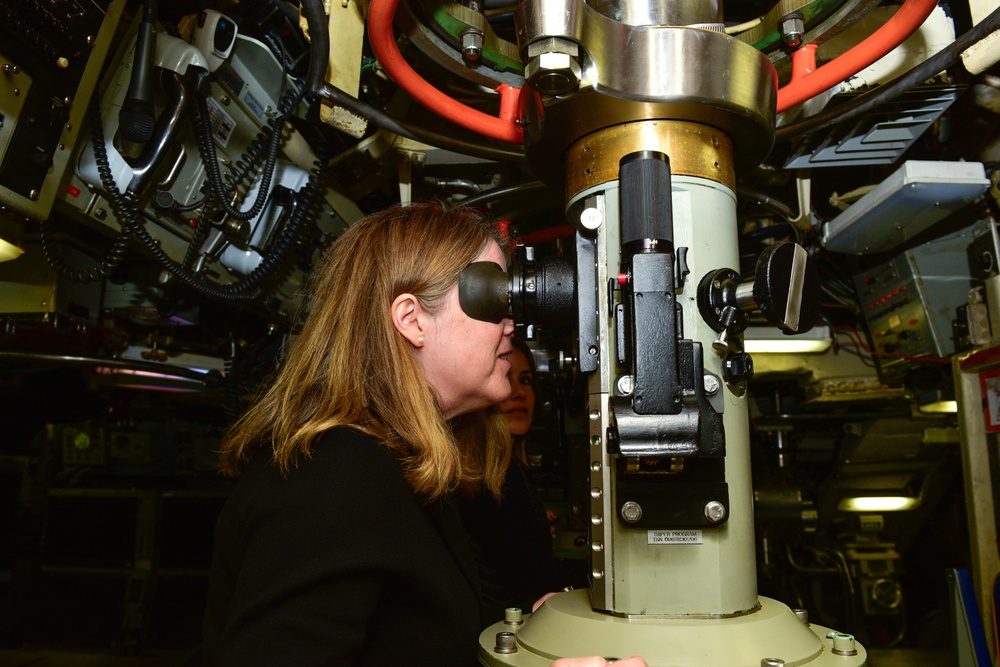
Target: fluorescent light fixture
x,y
939,407
10,238
878,504
770,340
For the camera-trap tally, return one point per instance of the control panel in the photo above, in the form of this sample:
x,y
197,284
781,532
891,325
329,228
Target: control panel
x,y
50,57
909,301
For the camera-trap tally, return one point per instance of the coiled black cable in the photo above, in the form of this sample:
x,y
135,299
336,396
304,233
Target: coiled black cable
x,y
265,145
118,250
247,287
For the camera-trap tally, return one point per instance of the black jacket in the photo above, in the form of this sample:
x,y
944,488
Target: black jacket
x,y
513,544
340,564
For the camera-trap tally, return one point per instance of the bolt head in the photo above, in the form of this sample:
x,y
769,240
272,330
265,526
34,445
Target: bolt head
x,y
552,73
472,45
631,511
715,511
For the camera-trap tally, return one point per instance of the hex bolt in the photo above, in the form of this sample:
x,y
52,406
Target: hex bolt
x,y
506,643
711,384
715,511
802,615
844,644
632,511
771,662
472,44
553,67
792,28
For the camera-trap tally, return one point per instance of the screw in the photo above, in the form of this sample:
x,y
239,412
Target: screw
x,y
771,662
711,384
625,385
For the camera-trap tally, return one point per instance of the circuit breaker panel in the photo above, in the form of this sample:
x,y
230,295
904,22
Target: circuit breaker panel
x,y
50,58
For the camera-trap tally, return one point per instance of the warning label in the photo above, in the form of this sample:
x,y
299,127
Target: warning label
x,y
673,537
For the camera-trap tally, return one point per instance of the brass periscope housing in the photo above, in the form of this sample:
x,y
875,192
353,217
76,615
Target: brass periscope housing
x,y
702,97
694,150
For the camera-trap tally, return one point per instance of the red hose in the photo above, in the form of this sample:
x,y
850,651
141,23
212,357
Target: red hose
x,y
383,43
894,32
547,234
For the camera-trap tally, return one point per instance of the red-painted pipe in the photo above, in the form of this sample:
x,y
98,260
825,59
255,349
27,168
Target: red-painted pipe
x,y
894,32
547,234
383,42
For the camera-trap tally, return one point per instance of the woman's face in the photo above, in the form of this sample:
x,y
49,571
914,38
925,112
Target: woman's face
x,y
465,360
519,408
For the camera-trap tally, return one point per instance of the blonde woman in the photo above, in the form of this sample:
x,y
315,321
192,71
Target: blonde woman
x,y
340,544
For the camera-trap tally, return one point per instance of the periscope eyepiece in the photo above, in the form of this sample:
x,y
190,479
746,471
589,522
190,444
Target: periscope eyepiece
x,y
484,292
533,294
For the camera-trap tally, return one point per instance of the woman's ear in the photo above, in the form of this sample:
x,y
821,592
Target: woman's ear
x,y
407,318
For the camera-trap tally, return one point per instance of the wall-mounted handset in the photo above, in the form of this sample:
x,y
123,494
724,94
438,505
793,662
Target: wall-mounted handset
x,y
214,35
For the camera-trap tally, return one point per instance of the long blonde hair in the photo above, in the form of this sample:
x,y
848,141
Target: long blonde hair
x,y
351,367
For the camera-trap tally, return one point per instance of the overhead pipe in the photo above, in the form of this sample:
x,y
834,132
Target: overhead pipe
x,y
865,102
383,43
894,32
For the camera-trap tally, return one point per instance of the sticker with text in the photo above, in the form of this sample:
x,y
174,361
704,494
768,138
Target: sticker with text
x,y
673,537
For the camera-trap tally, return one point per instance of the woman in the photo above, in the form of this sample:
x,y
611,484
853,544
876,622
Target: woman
x,y
340,544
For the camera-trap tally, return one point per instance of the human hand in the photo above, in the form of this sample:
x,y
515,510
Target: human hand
x,y
597,661
539,601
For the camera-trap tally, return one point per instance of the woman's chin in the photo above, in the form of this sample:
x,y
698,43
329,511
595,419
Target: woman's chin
x,y
518,427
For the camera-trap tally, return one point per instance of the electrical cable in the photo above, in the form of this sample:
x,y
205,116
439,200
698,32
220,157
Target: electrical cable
x,y
118,250
403,129
765,200
247,287
316,85
486,198
902,83
268,139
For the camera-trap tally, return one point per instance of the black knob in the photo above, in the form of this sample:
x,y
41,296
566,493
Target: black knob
x,y
738,368
786,288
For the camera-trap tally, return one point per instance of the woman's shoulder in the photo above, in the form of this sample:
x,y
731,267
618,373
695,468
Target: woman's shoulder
x,y
348,451
344,464
342,455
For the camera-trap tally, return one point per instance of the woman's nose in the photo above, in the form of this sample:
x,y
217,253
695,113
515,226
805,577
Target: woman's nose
x,y
508,326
